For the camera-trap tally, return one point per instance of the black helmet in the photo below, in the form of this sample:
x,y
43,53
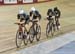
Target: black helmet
x,y
50,10
55,8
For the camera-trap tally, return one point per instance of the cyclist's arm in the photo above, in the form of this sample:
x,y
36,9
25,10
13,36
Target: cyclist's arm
x,y
30,13
22,22
18,16
48,12
58,13
39,16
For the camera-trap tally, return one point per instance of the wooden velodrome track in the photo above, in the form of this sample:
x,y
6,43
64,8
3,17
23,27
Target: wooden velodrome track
x,y
8,17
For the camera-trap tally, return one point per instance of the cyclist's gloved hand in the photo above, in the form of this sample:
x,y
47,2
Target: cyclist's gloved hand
x,y
47,17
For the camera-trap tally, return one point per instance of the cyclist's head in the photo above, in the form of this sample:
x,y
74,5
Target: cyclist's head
x,y
21,11
50,10
55,8
33,9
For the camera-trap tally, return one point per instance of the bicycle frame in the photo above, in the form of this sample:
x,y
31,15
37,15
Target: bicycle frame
x,y
20,35
20,28
34,32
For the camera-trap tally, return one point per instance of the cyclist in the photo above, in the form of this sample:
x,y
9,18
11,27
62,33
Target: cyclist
x,y
49,14
57,16
51,17
23,18
35,15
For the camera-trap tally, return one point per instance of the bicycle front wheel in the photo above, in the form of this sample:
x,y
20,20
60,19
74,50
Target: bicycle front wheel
x,y
52,29
18,39
47,30
38,30
31,35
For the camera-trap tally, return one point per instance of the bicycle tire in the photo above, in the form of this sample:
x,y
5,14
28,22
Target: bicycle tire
x,y
31,34
47,30
18,36
38,29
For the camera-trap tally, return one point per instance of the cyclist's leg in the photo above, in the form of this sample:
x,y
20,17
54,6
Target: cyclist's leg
x,y
54,24
28,26
58,23
22,25
38,21
23,29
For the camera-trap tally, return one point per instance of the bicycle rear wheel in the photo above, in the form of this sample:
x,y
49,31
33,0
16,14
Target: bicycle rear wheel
x,y
18,39
38,30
